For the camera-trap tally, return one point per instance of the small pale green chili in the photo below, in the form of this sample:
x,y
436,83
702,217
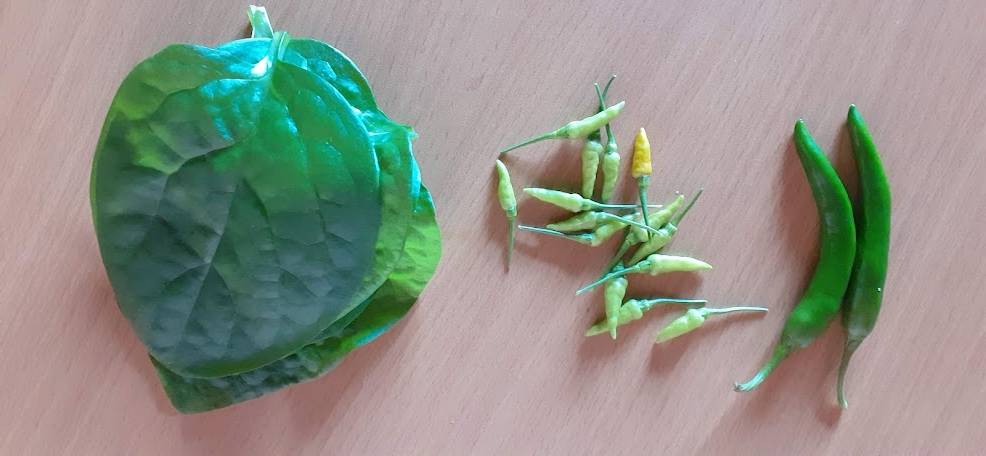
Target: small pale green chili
x,y
611,157
613,294
590,220
664,235
590,164
573,202
594,239
633,309
694,318
654,265
576,129
635,236
505,193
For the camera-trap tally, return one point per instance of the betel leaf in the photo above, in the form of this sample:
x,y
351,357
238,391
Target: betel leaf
x,y
237,204
385,307
258,215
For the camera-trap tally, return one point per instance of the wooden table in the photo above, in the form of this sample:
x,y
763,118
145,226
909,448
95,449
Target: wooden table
x,y
495,363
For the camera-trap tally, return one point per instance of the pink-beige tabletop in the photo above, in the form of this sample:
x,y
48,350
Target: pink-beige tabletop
x,y
495,363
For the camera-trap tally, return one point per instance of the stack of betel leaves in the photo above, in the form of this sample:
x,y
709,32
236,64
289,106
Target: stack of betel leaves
x,y
259,217
648,227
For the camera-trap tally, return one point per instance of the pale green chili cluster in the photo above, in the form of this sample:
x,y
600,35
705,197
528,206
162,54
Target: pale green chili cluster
x,y
593,224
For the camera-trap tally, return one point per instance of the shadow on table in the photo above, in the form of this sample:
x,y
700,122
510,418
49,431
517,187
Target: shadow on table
x,y
296,413
238,428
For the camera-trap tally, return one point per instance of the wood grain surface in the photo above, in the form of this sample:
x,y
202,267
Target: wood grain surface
x,y
495,363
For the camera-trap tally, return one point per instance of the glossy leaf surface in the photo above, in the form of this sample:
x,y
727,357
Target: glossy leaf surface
x,y
231,194
387,305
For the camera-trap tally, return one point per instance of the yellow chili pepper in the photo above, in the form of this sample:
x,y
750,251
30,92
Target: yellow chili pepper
x,y
641,169
641,156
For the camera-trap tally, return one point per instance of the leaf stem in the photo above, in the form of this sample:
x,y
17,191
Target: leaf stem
x,y
260,22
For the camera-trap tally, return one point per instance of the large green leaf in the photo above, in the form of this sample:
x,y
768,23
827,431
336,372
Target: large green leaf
x,y
385,307
231,194
399,176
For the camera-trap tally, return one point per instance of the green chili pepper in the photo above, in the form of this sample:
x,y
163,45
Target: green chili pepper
x,y
837,235
653,265
613,294
573,202
505,193
633,309
576,129
663,236
694,318
590,220
863,298
611,157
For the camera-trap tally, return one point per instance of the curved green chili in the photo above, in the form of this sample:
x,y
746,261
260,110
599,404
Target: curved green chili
x,y
664,235
837,235
863,298
505,193
633,309
576,129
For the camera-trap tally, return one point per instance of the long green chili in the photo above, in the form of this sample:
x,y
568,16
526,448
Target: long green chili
x,y
861,306
837,235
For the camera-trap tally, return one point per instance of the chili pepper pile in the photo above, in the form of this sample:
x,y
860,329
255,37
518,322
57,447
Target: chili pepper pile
x,y
852,262
851,267
650,227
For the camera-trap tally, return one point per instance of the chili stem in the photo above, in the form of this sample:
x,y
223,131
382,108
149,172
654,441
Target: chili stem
x,y
580,238
642,183
679,216
847,353
607,278
617,218
647,304
510,244
726,310
549,135
779,354
622,250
